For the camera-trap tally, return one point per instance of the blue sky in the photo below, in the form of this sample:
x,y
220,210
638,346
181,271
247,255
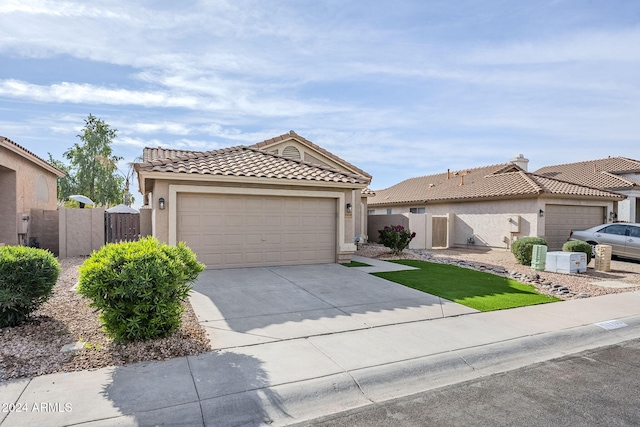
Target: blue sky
x,y
399,88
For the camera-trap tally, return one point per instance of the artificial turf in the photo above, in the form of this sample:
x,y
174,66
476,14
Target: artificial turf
x,y
475,289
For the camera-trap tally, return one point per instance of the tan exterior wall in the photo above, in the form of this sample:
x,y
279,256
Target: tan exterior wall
x,y
24,185
45,226
163,227
494,223
378,222
81,231
146,228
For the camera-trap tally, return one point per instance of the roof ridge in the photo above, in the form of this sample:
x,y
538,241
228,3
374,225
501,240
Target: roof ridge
x,y
534,184
572,183
618,177
31,153
292,134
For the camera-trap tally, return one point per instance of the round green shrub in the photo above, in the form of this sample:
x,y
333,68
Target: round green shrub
x,y
522,249
579,246
27,278
139,287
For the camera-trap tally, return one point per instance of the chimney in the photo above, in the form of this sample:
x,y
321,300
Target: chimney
x,y
519,160
448,173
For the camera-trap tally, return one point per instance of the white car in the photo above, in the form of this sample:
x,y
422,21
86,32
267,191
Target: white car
x,y
623,237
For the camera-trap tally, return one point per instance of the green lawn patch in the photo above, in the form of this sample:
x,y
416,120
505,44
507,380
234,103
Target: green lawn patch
x,y
475,289
356,264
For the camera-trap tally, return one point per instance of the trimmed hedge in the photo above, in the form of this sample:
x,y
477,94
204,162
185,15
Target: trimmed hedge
x,y
522,249
27,278
139,287
578,246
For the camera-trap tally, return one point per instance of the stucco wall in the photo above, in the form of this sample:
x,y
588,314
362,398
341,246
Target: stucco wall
x,y
378,222
495,223
24,185
162,189
45,226
81,231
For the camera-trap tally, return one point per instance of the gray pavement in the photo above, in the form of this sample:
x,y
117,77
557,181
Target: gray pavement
x,y
598,387
294,350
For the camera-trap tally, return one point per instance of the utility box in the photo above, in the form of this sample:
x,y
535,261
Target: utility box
x,y
566,262
538,257
514,223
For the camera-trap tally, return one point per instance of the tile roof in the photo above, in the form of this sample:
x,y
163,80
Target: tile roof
x,y
602,173
292,135
37,159
488,182
149,154
247,162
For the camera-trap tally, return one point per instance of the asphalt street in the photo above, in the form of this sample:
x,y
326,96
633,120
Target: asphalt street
x,y
599,387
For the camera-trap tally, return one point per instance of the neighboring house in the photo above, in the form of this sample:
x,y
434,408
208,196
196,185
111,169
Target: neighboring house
x,y
26,182
246,206
495,205
618,174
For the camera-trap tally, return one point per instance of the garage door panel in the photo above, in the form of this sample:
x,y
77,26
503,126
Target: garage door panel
x,y
561,219
247,230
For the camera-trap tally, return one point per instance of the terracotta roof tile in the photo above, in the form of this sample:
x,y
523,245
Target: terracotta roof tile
x,y
488,182
292,135
602,173
249,162
149,154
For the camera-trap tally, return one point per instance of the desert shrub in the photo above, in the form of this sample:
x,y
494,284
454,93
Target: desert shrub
x,y
578,246
396,238
522,249
139,287
27,278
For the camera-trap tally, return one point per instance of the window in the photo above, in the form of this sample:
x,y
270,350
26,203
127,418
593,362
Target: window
x,y
371,211
417,210
634,231
617,229
388,211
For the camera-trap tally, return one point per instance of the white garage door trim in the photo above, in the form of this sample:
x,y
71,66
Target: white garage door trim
x,y
339,196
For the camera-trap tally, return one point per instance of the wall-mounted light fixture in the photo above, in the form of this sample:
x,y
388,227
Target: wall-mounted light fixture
x,y
613,216
541,213
349,208
161,203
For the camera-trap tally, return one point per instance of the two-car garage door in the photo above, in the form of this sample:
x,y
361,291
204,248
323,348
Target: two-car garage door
x,y
230,230
561,219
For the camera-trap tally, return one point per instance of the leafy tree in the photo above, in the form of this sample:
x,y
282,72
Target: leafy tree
x,y
66,184
93,165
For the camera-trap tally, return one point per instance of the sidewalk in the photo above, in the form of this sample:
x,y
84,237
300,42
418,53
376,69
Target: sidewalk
x,y
293,380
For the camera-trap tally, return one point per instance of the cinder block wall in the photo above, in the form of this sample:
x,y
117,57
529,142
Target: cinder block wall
x,y
44,225
378,222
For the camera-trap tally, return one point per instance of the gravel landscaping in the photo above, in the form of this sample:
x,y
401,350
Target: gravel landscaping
x,y
502,262
34,348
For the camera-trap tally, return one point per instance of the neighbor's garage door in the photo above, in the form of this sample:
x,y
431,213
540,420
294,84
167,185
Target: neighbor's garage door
x,y
561,219
244,231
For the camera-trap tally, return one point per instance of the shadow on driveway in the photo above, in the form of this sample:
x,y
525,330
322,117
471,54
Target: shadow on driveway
x,y
255,305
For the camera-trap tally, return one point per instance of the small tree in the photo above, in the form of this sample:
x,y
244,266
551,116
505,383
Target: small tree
x,y
93,170
396,238
522,249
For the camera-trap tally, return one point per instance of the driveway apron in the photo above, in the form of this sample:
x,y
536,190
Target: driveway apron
x,y
247,306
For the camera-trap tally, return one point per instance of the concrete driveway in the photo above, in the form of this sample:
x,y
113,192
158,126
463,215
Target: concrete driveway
x,y
247,306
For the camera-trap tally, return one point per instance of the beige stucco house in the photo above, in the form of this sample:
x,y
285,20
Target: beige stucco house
x,y
26,182
618,174
253,206
492,206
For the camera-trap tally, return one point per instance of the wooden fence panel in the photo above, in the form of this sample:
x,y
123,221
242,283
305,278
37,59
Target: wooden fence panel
x,y
121,227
